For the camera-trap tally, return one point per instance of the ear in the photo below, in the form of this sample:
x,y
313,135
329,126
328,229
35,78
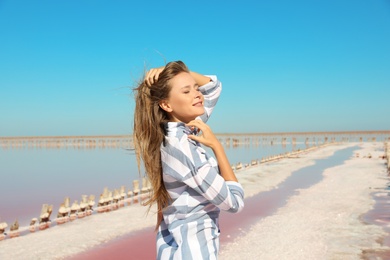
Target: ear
x,y
164,104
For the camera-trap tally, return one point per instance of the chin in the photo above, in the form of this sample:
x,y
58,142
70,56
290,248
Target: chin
x,y
194,115
199,114
201,111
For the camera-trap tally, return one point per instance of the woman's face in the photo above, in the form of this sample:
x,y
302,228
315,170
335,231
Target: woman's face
x,y
185,102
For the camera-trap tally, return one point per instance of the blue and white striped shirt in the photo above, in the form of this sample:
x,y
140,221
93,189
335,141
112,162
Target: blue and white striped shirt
x,y
189,229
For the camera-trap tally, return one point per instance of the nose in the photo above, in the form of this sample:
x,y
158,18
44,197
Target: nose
x,y
198,94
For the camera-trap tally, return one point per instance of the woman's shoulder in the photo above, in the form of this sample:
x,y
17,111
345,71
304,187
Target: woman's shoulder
x,y
180,143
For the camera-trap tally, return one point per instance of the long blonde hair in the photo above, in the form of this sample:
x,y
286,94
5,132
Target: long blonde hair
x,y
149,130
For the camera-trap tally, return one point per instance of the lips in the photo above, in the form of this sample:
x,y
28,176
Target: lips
x,y
198,104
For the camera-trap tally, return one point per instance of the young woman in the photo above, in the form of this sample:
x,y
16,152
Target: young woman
x,y
189,186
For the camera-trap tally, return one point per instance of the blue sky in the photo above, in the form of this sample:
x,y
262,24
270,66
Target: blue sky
x,y
67,67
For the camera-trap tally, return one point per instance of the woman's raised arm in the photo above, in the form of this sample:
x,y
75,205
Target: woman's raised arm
x,y
153,74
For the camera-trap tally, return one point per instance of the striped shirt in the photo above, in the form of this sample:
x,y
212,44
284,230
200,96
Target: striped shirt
x,y
189,229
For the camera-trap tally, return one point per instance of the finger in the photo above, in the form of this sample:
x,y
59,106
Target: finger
x,y
149,78
148,74
196,123
194,137
156,75
193,127
147,82
200,125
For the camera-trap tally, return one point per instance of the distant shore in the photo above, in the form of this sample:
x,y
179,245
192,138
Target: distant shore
x,y
350,132
126,141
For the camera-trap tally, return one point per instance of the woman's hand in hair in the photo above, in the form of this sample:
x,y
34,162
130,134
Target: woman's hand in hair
x,y
207,137
152,75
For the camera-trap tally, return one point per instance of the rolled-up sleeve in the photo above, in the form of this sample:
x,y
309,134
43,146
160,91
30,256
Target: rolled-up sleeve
x,y
211,92
228,196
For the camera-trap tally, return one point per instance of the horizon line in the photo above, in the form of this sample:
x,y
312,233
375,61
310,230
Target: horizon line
x,y
217,134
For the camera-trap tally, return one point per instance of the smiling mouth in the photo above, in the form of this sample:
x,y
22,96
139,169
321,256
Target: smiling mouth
x,y
198,104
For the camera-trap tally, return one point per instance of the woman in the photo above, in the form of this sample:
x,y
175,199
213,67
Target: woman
x,y
189,186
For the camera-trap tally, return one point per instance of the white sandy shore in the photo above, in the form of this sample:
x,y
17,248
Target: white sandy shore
x,y
321,222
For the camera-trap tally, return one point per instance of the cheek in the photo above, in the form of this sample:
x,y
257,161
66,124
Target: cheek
x,y
178,102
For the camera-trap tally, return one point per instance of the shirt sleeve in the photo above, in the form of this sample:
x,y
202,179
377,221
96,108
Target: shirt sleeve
x,y
200,172
228,196
211,92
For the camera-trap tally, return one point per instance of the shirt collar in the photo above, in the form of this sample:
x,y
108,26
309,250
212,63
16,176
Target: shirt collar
x,y
178,129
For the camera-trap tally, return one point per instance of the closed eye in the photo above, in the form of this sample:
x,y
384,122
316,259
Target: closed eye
x,y
187,89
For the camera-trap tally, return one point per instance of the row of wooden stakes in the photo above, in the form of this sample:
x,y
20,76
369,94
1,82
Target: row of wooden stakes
x,y
387,156
293,154
108,201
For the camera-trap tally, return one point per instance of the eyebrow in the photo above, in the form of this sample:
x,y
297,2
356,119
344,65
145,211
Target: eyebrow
x,y
189,86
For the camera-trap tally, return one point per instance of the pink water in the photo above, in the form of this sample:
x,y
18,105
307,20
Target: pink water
x,y
31,177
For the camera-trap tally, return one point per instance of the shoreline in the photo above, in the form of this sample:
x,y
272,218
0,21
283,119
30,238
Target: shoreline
x,y
103,231
324,220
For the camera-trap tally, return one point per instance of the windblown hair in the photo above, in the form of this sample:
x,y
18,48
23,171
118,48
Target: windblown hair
x,y
149,130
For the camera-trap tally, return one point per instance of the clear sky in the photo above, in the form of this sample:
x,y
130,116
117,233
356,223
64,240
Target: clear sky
x,y
67,67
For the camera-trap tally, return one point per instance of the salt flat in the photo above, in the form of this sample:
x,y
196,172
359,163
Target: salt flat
x,y
323,221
